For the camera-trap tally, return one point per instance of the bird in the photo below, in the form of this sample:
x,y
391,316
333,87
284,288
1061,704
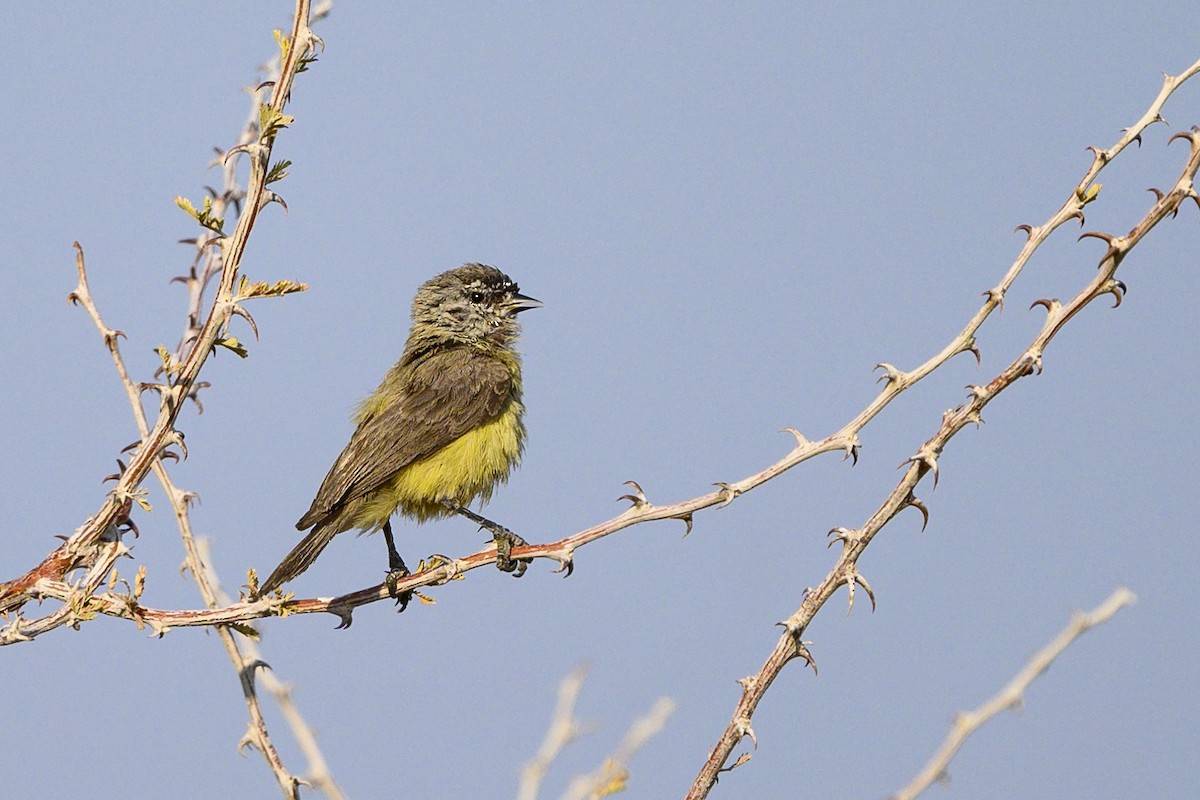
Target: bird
x,y
445,426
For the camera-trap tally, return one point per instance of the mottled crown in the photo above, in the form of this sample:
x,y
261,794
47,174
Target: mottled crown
x,y
470,303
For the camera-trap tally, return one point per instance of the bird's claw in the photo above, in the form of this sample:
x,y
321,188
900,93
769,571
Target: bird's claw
x,y
505,541
396,574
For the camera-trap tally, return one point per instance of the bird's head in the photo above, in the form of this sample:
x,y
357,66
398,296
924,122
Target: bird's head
x,y
470,304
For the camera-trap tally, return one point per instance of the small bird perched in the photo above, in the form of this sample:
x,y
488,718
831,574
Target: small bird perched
x,y
444,427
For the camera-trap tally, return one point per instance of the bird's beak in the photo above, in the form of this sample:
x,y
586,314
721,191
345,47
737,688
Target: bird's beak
x,y
520,302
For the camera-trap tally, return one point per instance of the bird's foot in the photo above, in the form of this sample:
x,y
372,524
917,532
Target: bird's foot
x,y
397,571
505,541
393,578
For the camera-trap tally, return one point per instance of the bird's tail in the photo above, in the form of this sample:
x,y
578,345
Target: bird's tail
x,y
300,559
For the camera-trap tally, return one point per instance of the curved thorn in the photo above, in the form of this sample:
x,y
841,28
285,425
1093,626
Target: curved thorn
x,y
567,566
861,581
890,373
1044,301
687,520
851,451
728,493
914,502
1191,137
1158,195
801,440
802,652
1117,289
637,491
1106,237
244,314
970,347
1027,228
924,460
748,732
844,535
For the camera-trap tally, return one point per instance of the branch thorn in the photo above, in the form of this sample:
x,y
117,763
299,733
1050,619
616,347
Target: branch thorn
x,y
729,493
914,502
801,441
1117,289
890,373
638,498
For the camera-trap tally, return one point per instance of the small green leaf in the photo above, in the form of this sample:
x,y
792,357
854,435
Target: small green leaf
x,y
204,216
245,630
271,122
278,171
169,365
285,44
1089,195
233,344
247,290
187,207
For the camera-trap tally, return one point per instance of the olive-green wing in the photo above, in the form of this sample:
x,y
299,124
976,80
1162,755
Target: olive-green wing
x,y
444,396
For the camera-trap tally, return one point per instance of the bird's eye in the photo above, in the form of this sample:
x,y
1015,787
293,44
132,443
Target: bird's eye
x,y
475,297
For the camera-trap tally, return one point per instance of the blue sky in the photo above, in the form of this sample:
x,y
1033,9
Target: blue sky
x,y
731,213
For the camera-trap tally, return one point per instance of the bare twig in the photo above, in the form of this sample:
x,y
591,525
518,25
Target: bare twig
x,y
564,729
613,775
318,774
1012,695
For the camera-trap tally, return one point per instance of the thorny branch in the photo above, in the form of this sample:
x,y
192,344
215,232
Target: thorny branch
x,y
211,254
845,440
641,510
854,542
96,544
1011,696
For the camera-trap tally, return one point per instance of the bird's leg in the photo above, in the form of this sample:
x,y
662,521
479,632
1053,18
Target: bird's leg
x,y
396,568
505,540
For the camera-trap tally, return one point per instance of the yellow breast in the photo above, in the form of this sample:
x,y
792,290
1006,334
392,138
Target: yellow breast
x,y
469,467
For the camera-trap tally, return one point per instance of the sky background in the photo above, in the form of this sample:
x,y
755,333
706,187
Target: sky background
x,y
731,213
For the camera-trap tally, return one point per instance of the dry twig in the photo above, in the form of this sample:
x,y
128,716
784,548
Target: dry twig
x,y
1012,695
